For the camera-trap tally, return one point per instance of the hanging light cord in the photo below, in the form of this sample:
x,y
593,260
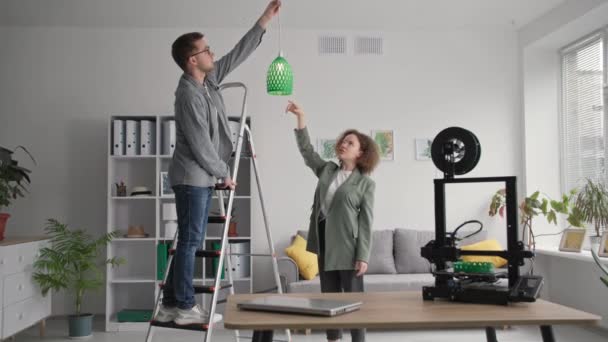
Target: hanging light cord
x,y
279,19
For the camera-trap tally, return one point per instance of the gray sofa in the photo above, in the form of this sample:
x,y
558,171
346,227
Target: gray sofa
x,y
395,263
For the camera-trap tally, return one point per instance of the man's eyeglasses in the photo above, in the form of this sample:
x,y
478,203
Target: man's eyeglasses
x,y
207,50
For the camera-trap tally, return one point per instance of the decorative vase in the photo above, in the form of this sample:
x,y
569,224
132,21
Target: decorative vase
x,y
3,218
80,326
232,230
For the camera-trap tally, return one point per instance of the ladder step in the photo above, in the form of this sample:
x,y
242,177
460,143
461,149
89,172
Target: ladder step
x,y
172,325
217,219
201,253
203,288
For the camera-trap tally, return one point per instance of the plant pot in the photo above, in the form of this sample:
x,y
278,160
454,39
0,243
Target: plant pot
x,y
3,218
594,240
80,326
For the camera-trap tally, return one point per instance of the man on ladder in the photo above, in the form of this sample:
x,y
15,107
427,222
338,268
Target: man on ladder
x,y
203,148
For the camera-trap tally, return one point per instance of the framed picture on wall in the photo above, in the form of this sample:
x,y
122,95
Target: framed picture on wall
x,y
603,252
423,148
165,185
327,148
386,143
572,240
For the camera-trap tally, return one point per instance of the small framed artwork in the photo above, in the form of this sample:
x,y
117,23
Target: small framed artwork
x,y
603,252
165,185
386,143
327,148
572,240
423,148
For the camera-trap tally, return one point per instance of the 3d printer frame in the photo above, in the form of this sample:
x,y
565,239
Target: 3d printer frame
x,y
443,250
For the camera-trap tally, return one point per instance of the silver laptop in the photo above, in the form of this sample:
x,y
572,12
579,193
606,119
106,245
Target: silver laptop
x,y
308,306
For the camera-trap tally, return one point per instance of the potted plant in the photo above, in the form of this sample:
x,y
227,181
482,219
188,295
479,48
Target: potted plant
x,y
535,205
12,182
592,201
71,263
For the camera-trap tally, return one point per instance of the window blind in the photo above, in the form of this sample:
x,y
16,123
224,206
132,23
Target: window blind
x,y
583,118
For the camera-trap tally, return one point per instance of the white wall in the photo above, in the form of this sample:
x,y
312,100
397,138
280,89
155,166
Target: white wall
x,y
60,85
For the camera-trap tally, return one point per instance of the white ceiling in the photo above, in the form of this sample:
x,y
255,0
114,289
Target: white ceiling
x,y
303,14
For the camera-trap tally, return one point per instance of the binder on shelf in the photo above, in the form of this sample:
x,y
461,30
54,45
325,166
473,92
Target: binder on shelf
x,y
118,137
147,136
240,262
162,254
234,133
132,137
168,137
216,246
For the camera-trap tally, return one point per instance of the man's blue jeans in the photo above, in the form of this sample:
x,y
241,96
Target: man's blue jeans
x,y
192,204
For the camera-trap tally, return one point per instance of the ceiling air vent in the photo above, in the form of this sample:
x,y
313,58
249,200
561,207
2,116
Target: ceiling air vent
x,y
369,46
332,45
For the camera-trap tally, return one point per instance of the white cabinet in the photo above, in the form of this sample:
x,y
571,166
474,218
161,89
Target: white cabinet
x,y
22,302
134,285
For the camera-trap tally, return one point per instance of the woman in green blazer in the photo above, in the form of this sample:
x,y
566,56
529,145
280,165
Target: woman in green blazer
x,y
342,212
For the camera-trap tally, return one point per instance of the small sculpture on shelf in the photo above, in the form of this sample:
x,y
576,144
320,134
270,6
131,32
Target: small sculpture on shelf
x,y
121,189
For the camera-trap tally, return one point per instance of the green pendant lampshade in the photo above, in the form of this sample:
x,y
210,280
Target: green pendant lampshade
x,y
279,80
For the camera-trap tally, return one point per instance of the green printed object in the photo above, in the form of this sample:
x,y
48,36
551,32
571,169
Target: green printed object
x,y
279,79
473,267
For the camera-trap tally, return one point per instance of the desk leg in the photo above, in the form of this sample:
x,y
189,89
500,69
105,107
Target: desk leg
x,y
546,332
262,336
491,334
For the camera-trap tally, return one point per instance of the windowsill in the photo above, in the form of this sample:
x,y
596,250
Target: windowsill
x,y
582,255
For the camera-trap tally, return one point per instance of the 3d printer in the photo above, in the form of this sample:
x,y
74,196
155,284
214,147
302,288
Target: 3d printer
x,y
456,151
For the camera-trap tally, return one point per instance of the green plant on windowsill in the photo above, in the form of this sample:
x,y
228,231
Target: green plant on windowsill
x,y
71,263
592,201
538,204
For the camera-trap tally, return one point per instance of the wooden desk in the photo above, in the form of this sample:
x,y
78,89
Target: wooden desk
x,y
404,310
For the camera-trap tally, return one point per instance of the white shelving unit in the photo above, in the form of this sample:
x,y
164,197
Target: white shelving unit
x,y
134,285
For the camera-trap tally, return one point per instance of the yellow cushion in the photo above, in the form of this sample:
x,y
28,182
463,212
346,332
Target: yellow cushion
x,y
306,261
485,245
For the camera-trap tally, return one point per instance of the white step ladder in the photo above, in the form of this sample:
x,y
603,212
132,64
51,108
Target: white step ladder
x,y
224,219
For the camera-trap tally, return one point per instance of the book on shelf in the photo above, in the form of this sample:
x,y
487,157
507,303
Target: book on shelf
x,y
162,256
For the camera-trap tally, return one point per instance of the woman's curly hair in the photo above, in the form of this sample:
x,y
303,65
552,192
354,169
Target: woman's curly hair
x,y
370,156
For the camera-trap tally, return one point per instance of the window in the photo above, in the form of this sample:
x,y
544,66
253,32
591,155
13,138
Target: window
x,y
583,117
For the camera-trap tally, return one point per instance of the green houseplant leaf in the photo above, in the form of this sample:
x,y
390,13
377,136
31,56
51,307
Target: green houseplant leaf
x,y
13,178
592,202
540,204
71,261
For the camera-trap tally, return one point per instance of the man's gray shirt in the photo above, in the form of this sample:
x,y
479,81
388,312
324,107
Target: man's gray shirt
x,y
203,145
